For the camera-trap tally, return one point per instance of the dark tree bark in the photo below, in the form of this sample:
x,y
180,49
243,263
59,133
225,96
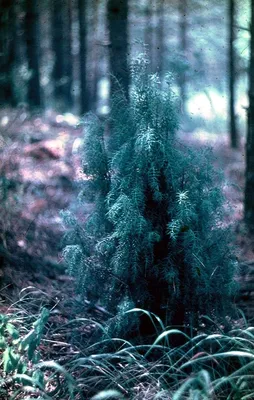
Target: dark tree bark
x,y
5,87
68,55
84,98
93,62
14,55
232,117
149,34
95,59
62,73
249,175
183,47
118,35
32,31
160,44
58,73
3,64
9,54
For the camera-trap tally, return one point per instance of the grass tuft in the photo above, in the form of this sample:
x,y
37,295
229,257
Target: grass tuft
x,y
207,366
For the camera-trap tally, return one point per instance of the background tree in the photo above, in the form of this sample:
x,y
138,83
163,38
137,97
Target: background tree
x,y
161,37
58,50
232,76
95,53
117,12
61,46
93,49
15,61
4,88
183,48
9,52
249,175
148,32
32,31
84,99
171,47
68,55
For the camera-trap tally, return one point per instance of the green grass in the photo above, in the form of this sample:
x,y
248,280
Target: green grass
x,y
214,366
207,366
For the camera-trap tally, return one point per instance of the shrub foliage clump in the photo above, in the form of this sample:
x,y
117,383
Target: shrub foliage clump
x,y
155,238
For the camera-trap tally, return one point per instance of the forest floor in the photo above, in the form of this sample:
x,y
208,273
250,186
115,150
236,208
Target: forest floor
x,y
40,175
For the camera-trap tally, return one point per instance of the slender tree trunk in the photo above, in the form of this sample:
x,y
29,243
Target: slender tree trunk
x,y
84,99
3,41
183,47
57,33
249,175
149,33
118,35
13,53
232,75
95,55
62,73
8,51
5,87
68,56
32,51
161,44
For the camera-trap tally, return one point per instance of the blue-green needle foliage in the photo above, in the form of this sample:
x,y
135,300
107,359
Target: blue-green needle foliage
x,y
154,239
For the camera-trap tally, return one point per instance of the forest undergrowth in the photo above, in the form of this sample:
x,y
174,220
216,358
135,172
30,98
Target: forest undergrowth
x,y
39,163
48,357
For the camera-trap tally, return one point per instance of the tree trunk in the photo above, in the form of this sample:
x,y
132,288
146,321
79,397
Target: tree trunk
x,y
68,56
58,50
249,175
4,89
232,116
8,51
118,35
84,100
183,47
32,51
15,55
62,73
95,58
160,44
93,62
149,34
